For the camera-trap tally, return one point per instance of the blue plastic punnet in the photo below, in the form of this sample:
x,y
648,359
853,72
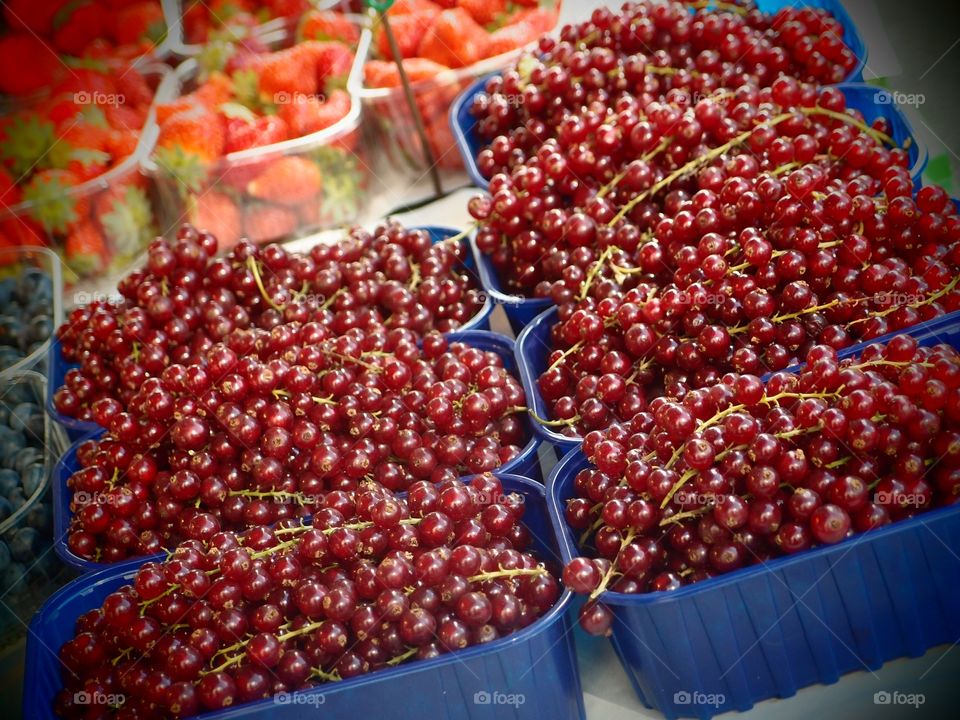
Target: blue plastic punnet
x,y
526,464
768,630
529,675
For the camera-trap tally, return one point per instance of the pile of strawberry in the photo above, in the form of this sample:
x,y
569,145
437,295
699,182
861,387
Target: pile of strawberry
x,y
89,125
434,37
247,98
204,18
38,32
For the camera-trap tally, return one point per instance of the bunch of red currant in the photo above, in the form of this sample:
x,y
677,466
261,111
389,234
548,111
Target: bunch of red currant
x,y
372,581
185,300
747,470
261,426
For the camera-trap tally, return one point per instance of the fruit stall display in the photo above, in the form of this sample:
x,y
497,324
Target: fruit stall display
x,y
443,50
70,169
305,477
263,144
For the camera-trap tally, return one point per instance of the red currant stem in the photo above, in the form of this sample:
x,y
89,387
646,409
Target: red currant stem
x,y
301,293
680,517
800,313
585,535
839,463
461,235
235,646
405,656
566,353
325,676
766,400
611,571
346,358
414,277
125,653
843,117
299,498
717,417
786,168
515,409
676,487
255,269
292,530
552,423
330,300
516,572
135,352
310,627
694,164
888,363
926,301
594,270
719,5
169,591
664,70
646,157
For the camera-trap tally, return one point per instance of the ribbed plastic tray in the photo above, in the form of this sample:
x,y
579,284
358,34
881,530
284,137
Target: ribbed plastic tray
x,y
58,367
534,670
526,464
770,629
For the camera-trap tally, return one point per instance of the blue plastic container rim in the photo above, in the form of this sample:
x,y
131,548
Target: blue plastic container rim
x,y
493,288
529,373
66,464
37,651
58,367
574,461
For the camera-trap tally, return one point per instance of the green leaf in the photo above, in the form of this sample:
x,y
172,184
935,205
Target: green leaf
x,y
87,63
129,225
246,88
939,171
215,55
27,144
94,115
186,169
52,207
88,156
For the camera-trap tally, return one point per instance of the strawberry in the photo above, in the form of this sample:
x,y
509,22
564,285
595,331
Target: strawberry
x,y
36,17
289,180
243,133
332,60
22,231
455,39
143,20
512,37
189,142
415,7
86,250
216,212
327,25
288,72
134,88
10,193
287,8
407,30
121,144
77,25
542,19
269,223
310,115
164,111
37,66
380,73
125,215
484,11
125,117
53,207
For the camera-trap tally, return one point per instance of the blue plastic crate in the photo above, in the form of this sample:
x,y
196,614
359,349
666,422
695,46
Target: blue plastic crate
x,y
519,310
526,464
78,429
770,629
533,351
537,663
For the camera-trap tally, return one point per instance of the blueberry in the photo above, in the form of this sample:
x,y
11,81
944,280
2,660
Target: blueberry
x,y
21,414
6,509
12,576
7,286
37,426
10,445
4,415
25,458
40,329
5,558
17,498
19,393
40,516
26,544
9,481
32,478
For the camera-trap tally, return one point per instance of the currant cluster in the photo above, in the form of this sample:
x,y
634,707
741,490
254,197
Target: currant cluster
x,y
263,425
185,300
374,580
747,470
751,294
